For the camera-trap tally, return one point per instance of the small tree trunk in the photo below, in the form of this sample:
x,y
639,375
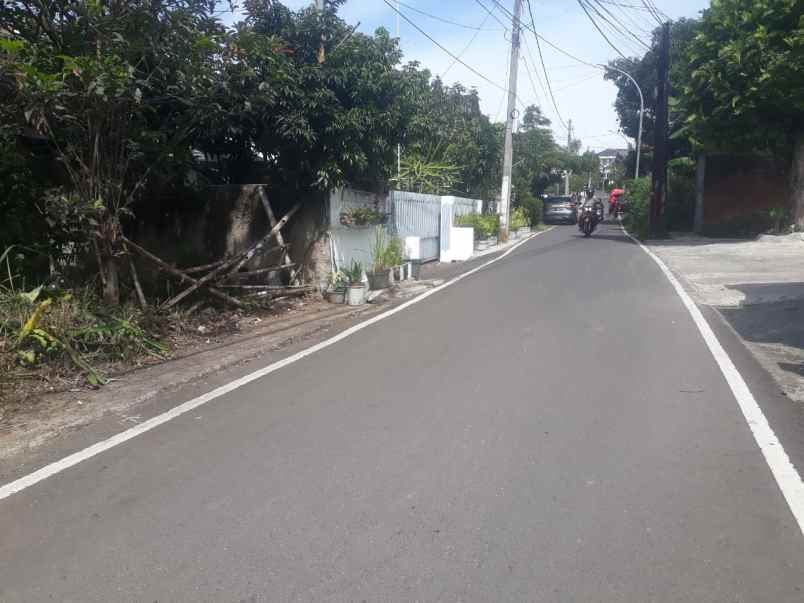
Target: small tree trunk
x,y
111,286
797,181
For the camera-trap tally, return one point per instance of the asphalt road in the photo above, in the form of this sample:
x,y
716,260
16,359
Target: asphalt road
x,y
552,428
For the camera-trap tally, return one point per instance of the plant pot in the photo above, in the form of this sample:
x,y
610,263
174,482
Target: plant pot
x,y
356,294
337,296
379,280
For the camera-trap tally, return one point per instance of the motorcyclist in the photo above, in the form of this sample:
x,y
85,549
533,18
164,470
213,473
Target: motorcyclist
x,y
592,204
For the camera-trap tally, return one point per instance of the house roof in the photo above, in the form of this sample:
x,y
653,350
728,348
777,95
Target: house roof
x,y
613,153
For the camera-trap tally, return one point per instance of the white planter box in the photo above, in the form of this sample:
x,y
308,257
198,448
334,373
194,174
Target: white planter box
x,y
461,244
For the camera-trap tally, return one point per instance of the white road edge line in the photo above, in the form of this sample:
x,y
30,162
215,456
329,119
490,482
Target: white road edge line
x,y
783,471
77,457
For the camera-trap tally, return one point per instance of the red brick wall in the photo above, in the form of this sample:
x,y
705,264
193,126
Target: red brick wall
x,y
741,185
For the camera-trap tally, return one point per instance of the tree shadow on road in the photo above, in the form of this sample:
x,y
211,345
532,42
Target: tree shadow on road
x,y
776,324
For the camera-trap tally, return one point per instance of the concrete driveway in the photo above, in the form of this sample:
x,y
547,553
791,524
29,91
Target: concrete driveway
x,y
758,287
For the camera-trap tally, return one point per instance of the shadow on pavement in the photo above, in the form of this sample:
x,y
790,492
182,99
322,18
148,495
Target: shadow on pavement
x,y
779,324
761,293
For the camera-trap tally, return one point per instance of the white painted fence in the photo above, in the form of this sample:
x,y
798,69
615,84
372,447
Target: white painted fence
x,y
415,218
423,222
352,243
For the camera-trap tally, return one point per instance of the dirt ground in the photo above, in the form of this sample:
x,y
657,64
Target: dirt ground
x,y
53,402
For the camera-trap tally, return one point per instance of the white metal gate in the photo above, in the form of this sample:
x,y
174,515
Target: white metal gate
x,y
417,215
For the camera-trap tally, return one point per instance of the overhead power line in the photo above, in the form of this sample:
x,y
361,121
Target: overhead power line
x,y
652,9
447,51
495,17
602,33
443,20
619,25
638,20
626,5
530,78
465,48
544,68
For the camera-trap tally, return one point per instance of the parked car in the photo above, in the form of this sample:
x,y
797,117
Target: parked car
x,y
560,210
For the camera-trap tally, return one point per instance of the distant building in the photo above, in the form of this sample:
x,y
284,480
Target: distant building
x,y
608,158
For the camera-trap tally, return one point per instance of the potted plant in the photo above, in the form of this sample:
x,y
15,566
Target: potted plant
x,y
380,275
355,289
336,290
394,254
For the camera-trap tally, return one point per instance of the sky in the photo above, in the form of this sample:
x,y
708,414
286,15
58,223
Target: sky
x,y
581,93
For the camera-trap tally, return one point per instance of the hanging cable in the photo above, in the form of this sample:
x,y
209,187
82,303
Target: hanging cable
x,y
447,51
617,23
443,20
502,98
530,78
645,25
437,43
602,33
652,11
465,48
495,17
544,68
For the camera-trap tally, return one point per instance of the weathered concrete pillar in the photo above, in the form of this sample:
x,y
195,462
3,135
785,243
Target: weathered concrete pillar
x,y
700,179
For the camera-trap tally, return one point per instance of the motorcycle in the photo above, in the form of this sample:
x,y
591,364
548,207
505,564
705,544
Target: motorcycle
x,y
619,210
588,221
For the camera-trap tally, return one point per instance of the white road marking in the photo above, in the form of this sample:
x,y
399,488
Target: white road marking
x,y
77,457
783,471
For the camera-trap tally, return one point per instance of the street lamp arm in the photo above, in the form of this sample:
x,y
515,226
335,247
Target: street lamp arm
x,y
641,112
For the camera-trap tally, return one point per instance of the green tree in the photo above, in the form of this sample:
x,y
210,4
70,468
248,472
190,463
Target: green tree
x,y
744,82
538,160
448,127
116,88
643,70
315,125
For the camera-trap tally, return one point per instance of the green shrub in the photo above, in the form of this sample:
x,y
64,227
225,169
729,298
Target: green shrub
x,y
486,226
354,273
533,206
637,215
394,252
519,219
50,326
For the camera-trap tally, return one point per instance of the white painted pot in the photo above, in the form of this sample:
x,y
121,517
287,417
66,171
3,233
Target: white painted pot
x,y
356,295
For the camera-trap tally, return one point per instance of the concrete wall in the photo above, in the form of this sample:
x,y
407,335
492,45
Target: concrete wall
x,y
188,230
742,186
352,243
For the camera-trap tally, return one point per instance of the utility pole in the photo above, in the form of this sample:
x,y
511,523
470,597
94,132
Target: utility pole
x,y
398,145
660,147
569,135
508,154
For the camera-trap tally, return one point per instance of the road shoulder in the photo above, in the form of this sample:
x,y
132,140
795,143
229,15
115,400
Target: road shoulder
x,y
76,420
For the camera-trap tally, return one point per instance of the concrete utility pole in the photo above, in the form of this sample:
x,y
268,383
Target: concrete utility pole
x,y
508,155
660,151
398,145
569,135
